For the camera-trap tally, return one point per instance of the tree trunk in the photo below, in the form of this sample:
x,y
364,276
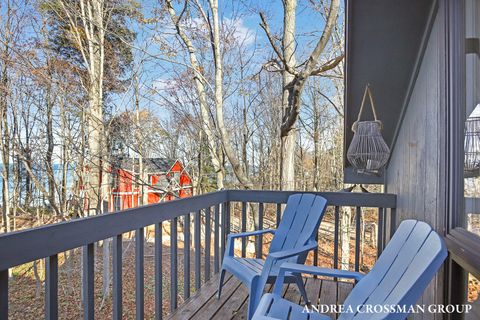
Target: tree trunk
x,y
106,269
345,237
288,161
245,140
16,191
224,135
287,164
95,146
143,196
96,141
294,78
28,182
316,149
199,81
49,154
5,141
65,160
198,187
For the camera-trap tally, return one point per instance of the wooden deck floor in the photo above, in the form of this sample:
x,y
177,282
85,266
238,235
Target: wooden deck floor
x,y
233,303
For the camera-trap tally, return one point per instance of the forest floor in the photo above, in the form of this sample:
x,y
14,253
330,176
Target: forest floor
x,y
27,293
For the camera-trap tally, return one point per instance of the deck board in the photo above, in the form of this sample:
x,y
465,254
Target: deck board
x,y
233,303
312,287
328,295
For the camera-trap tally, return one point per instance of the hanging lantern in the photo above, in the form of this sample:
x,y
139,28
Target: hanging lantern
x,y
472,145
368,152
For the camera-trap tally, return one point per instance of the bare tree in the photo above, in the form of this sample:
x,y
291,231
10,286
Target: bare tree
x,y
294,78
200,85
201,82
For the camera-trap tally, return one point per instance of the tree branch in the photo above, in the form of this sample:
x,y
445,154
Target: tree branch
x,y
264,25
266,28
327,66
331,102
273,66
322,42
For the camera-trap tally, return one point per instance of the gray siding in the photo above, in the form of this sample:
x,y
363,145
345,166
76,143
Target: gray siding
x,y
416,172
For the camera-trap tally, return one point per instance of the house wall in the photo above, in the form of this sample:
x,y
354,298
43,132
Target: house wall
x,y
416,171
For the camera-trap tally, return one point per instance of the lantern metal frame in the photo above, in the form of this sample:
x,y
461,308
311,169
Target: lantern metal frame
x,y
368,152
472,147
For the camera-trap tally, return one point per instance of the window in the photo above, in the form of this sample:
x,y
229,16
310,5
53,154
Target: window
x,y
471,217
117,203
463,221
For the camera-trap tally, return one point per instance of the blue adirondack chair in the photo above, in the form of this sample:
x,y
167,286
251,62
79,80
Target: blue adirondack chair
x,y
398,278
292,241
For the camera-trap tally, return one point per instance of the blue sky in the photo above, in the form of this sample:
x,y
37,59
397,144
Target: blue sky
x,y
309,27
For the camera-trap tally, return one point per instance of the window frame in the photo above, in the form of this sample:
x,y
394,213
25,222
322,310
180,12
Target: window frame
x,y
464,256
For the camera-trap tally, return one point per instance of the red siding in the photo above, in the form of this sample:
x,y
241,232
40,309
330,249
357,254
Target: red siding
x,y
125,195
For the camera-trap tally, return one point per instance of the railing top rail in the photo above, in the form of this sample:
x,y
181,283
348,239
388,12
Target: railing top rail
x,y
351,199
31,244
28,245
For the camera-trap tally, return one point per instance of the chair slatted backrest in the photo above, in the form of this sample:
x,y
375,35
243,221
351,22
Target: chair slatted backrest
x,y
300,221
401,274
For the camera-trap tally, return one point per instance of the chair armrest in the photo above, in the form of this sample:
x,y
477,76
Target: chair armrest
x,y
251,233
293,252
300,268
232,236
264,318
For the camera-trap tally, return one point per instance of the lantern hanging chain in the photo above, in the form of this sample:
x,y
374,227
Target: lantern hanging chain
x,y
370,96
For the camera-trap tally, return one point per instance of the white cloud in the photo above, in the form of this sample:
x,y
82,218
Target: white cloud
x,y
240,31
163,84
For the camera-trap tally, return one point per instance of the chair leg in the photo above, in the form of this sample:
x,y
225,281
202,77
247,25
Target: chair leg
x,y
301,287
255,294
253,299
220,284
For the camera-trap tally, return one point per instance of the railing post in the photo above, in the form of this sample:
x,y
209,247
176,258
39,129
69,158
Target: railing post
x,y
244,228
227,219
358,221
379,232
173,264
278,216
51,288
197,245
335,237
216,259
186,256
4,294
117,277
223,232
139,275
88,281
158,272
393,222
259,240
207,244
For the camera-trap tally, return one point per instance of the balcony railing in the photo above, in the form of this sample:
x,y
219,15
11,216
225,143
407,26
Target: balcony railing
x,y
214,214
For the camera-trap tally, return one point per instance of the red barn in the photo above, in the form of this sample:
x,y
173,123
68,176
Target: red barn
x,y
162,180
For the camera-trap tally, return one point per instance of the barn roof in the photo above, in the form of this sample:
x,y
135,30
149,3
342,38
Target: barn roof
x,y
158,164
150,164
